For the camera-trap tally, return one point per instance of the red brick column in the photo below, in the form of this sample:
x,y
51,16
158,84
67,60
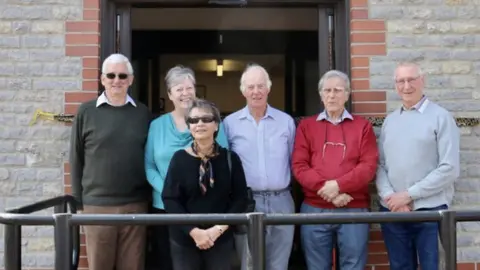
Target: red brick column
x,y
367,39
82,40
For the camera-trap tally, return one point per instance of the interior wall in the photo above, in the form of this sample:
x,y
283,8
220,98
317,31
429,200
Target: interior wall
x,y
224,19
224,91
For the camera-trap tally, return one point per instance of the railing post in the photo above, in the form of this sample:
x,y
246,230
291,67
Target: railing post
x,y
13,248
60,208
256,239
448,238
63,243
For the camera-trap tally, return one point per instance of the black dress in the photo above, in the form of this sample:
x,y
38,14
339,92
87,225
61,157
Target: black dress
x,y
182,195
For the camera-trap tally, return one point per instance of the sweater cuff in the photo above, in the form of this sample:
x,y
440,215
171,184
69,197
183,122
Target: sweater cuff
x,y
414,193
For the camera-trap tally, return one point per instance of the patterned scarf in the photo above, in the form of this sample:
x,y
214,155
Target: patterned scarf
x,y
205,177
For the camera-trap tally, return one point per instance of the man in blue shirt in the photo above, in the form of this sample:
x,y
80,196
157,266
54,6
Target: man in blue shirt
x,y
263,137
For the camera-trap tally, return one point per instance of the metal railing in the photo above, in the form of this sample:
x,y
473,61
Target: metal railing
x,y
66,225
15,218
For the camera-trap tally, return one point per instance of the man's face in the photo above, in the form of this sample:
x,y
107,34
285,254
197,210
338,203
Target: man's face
x,y
409,84
116,79
334,94
256,88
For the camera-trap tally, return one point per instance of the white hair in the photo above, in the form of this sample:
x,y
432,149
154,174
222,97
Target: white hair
x,y
334,74
408,64
257,67
117,58
177,75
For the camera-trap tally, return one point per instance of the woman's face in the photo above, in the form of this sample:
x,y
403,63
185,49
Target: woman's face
x,y
202,124
182,94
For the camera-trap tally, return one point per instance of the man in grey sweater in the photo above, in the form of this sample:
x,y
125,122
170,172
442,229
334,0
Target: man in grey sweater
x,y
419,163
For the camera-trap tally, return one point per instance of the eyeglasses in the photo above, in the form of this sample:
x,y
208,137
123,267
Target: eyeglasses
x,y
335,144
407,80
121,76
335,90
204,119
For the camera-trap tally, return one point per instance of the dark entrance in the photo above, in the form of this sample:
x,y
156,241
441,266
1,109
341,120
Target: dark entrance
x,y
303,52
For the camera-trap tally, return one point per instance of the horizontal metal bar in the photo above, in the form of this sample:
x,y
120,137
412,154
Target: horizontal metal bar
x,y
41,205
238,219
351,218
164,219
26,220
467,215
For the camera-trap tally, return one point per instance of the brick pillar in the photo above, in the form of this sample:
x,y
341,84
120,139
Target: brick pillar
x,y
367,39
82,40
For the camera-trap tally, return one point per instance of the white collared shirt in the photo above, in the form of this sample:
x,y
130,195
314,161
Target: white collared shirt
x,y
103,99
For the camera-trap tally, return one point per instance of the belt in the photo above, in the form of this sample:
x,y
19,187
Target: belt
x,y
271,192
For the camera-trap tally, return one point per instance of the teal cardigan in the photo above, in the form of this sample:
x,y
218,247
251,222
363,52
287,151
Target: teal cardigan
x,y
163,141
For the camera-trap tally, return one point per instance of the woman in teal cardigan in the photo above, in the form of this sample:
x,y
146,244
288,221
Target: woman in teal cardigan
x,y
168,134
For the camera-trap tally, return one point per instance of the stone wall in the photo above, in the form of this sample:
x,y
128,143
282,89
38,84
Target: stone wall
x,y
41,67
444,37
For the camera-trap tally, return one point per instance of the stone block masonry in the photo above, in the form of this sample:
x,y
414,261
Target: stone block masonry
x,y
49,54
444,37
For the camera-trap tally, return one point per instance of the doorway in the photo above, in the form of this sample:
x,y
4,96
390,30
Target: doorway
x,y
304,39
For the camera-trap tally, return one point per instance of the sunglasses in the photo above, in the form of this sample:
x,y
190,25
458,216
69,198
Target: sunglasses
x,y
121,76
205,119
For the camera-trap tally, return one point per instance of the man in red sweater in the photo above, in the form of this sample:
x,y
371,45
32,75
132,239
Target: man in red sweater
x,y
334,160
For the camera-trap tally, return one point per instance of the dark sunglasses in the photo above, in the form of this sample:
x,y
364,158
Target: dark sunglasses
x,y
121,76
205,119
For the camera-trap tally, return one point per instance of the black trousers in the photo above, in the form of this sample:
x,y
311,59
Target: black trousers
x,y
218,257
158,255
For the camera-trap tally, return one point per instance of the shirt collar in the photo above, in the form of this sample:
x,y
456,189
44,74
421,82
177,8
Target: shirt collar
x,y
324,116
103,99
245,114
420,106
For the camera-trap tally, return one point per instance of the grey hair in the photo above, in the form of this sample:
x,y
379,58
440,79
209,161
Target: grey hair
x,y
117,58
334,74
408,64
177,75
249,68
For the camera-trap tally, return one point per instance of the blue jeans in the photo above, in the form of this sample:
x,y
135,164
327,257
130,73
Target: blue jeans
x,y
279,238
405,240
318,241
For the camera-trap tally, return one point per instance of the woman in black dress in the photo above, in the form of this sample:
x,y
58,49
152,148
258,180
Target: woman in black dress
x,y
201,179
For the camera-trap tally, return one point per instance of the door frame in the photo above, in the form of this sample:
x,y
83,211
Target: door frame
x,y
113,10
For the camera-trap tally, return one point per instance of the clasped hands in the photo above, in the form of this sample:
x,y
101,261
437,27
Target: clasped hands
x,y
330,193
205,239
399,202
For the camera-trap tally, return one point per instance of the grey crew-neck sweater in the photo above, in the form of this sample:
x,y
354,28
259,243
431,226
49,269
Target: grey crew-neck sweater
x,y
419,153
107,154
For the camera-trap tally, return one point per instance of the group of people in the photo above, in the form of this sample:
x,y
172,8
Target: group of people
x,y
195,162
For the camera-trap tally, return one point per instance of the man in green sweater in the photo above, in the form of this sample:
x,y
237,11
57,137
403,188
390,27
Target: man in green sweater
x,y
107,168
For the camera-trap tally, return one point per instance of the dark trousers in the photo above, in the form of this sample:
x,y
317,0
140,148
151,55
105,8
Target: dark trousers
x,y
405,240
218,257
159,254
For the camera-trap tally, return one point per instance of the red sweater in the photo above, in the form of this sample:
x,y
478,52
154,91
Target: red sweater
x,y
353,172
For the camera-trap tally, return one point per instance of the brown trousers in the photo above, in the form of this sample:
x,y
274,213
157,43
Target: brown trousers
x,y
116,247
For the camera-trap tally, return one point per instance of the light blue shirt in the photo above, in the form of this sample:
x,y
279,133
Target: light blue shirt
x,y
324,116
264,148
163,141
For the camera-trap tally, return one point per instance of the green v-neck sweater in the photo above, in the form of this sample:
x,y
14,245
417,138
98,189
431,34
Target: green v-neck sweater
x,y
107,154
